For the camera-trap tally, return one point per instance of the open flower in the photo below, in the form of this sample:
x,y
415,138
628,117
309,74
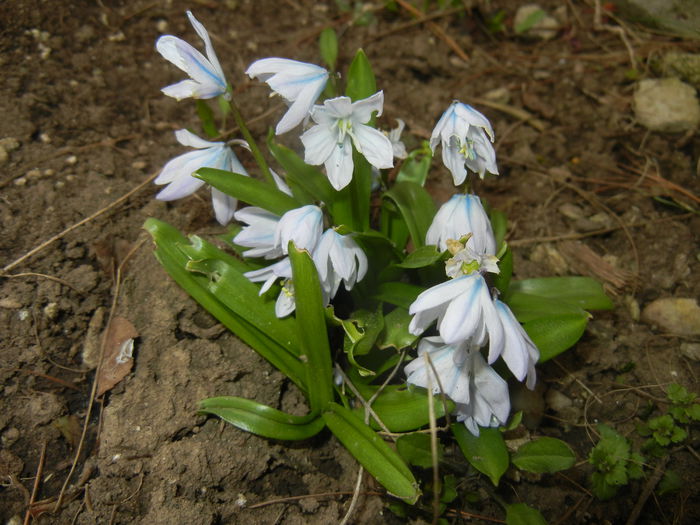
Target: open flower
x,y
299,83
466,136
206,76
177,173
340,123
460,216
480,394
339,258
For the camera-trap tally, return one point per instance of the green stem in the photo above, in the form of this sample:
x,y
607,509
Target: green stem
x,y
257,155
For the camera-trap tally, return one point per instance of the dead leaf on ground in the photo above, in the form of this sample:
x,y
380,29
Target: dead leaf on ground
x,y
118,360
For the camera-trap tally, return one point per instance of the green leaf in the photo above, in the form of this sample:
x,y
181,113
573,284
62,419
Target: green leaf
x,y
361,82
391,224
522,514
361,332
206,117
544,455
449,489
670,483
311,320
421,257
416,207
530,21
169,252
527,307
601,488
300,174
416,450
398,293
248,189
328,44
584,292
396,334
416,167
486,452
404,410
372,452
552,335
502,279
261,419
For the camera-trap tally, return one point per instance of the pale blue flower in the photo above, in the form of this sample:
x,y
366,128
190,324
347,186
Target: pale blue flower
x,y
466,136
339,258
394,136
299,83
518,351
206,76
480,394
340,123
259,234
177,173
460,216
302,225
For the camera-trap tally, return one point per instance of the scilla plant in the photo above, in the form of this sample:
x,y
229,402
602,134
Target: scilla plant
x,y
427,326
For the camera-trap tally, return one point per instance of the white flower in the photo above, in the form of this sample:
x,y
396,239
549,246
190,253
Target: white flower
x,y
466,136
340,123
338,257
518,350
398,147
302,225
269,274
463,308
177,173
481,395
259,234
460,216
206,76
299,83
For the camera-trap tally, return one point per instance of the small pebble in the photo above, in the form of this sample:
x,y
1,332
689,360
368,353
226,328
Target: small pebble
x,y
4,156
138,165
71,178
60,184
21,181
71,160
33,174
691,351
676,315
9,303
49,172
9,143
45,138
51,310
23,315
162,26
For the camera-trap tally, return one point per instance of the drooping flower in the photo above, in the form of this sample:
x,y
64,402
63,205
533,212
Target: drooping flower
x,y
480,394
339,258
206,76
177,173
460,216
466,136
259,234
299,83
398,147
340,123
302,225
518,350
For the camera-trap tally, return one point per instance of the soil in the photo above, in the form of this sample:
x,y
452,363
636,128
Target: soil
x,y
80,94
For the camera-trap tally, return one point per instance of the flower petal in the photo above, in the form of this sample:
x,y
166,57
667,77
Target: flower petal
x,y
362,109
224,206
319,143
339,165
374,145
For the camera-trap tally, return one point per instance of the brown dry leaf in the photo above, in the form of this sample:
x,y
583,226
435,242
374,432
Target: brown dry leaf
x,y
585,261
117,362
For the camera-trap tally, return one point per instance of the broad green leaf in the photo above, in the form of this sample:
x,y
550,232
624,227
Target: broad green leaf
x,y
311,322
521,514
261,419
416,450
670,483
416,167
402,409
416,207
396,334
421,257
361,82
552,335
206,117
248,189
380,460
486,452
584,292
449,489
169,243
311,180
398,293
544,455
240,295
328,44
392,225
527,307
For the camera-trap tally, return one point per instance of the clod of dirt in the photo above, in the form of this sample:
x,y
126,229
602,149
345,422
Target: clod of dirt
x,y
674,314
691,351
685,66
9,464
667,105
43,407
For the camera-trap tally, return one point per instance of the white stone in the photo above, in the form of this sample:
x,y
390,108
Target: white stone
x,y
676,315
546,27
667,105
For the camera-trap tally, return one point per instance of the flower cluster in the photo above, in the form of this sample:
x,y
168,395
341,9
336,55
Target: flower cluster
x,y
468,318
474,327
337,257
